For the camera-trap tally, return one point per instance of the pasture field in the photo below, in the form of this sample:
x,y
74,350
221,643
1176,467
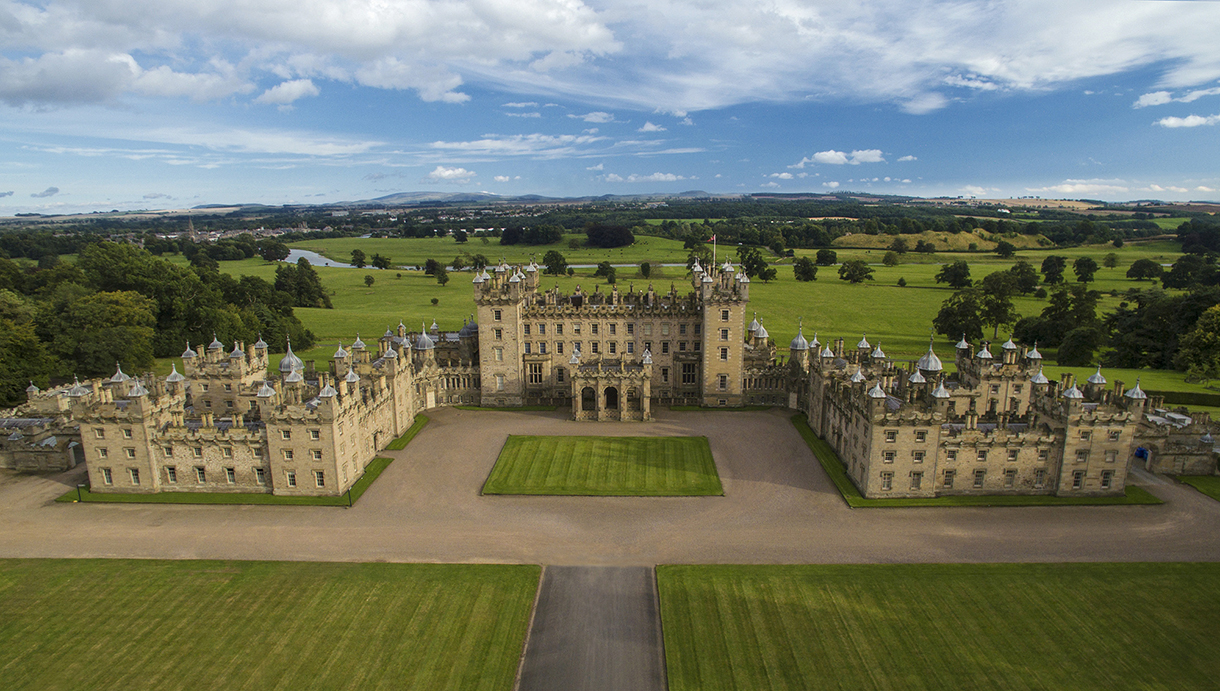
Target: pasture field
x,y
899,318
940,626
605,466
242,625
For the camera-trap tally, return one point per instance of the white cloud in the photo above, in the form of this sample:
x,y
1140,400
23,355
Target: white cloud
x,y
1167,188
655,177
831,185
1157,98
6,194
539,145
971,82
501,178
649,127
287,92
838,158
532,114
1188,121
769,184
781,176
686,121
1078,188
48,192
599,166
612,177
1200,188
977,191
521,104
596,116
455,176
906,158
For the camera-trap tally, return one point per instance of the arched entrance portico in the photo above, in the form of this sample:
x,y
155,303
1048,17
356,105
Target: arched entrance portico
x,y
611,398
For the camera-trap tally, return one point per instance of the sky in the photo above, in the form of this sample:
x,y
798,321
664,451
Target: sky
x,y
167,104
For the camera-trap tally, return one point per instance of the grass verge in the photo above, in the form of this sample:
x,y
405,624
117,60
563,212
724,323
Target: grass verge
x,y
610,466
1207,484
401,443
940,626
261,625
838,475
371,473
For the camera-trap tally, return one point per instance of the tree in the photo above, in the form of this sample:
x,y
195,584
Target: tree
x,y
380,262
826,258
478,262
767,275
442,276
855,271
1084,268
368,280
996,302
752,262
1118,243
899,245
1025,278
460,236
607,235
431,266
1143,269
358,259
1078,347
603,269
645,269
1005,249
1110,260
273,250
1199,353
805,269
960,314
96,330
956,274
303,284
573,244
902,282
702,255
890,258
556,265
1052,269
925,247
459,263
1188,271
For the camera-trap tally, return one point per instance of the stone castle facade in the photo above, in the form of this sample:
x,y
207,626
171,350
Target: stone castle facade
x,y
998,426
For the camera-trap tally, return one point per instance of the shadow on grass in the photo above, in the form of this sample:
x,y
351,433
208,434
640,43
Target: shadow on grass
x,y
838,475
1207,484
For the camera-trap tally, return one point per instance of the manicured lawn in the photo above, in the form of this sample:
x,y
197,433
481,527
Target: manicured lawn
x,y
401,442
838,475
621,466
371,473
961,626
167,625
1207,484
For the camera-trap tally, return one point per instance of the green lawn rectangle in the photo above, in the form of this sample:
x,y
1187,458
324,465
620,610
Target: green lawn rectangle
x,y
371,473
960,626
170,625
401,443
1207,484
620,466
838,475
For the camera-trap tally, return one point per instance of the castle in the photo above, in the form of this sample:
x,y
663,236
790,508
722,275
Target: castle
x,y
999,426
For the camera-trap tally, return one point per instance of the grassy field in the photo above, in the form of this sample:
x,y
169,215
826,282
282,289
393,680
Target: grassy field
x,y
967,626
166,625
838,475
1207,484
609,466
899,318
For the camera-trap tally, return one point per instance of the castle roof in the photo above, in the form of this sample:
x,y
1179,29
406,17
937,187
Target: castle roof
x,y
260,344
753,324
761,332
423,342
984,354
1034,354
351,377
799,343
876,391
929,362
1039,378
137,390
878,353
916,378
237,351
188,353
340,353
1096,378
290,362
1136,393
77,390
328,391
174,377
826,352
962,344
359,344
216,344
31,389
857,377
118,377
1009,345
266,391
294,377
863,342
940,391
1073,393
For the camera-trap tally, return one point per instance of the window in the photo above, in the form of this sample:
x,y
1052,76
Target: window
x,y
648,329
665,329
724,315
982,454
979,477
887,481
891,435
1039,478
315,435
226,451
197,451
542,348
1085,435
1107,479
230,476
535,373
319,478
1113,435
285,434
921,436
593,347
916,479
499,382
995,388
665,374
107,477
495,315
559,374
631,329
228,387
527,348
888,456
724,334
499,334
258,453
559,347
135,475
1082,456
951,455
207,404
542,329
290,478
171,475
1111,456
103,453
681,346
527,329
648,346
1010,478
724,382
126,433
559,329
576,329
204,387
287,454
201,475
130,453
918,456
1012,454
498,353
664,347
724,354
681,329
1043,455
950,476
698,346
593,329
614,329
315,454
1016,388
99,433
1077,479
688,373
698,329
260,476
630,347
613,347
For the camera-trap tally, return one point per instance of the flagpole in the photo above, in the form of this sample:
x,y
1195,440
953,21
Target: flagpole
x,y
713,250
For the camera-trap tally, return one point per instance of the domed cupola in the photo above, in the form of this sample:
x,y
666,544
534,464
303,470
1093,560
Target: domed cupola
x,y
1039,378
876,392
260,344
916,378
290,362
761,333
984,354
188,353
929,362
1034,354
137,390
753,324
31,389
962,344
174,376
878,353
341,353
215,344
359,344
857,377
78,390
265,391
118,377
799,343
423,342
1073,393
940,391
237,351
1096,378
1009,345
864,342
1136,393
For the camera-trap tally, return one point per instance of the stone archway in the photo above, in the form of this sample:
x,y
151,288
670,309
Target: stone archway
x,y
611,398
588,398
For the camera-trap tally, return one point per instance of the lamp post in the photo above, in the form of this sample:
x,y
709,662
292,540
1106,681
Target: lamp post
x,y
78,497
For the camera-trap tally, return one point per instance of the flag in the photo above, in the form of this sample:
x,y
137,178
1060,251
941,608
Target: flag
x,y
713,239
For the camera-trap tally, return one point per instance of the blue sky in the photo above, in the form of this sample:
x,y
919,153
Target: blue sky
x,y
156,104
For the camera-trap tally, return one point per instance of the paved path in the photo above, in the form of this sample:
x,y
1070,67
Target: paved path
x,y
779,507
595,629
